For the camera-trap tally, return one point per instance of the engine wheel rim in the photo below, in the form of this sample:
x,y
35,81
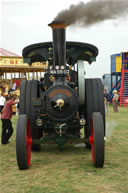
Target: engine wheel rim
x,y
92,142
28,142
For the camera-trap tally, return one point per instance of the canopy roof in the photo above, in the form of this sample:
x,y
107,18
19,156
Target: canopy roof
x,y
4,52
74,51
10,62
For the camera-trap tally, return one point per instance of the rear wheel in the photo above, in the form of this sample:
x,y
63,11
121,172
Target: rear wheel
x,y
97,140
94,102
88,109
101,107
23,142
29,90
22,104
28,99
35,132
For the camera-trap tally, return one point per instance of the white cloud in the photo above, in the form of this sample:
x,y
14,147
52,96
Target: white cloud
x,y
26,22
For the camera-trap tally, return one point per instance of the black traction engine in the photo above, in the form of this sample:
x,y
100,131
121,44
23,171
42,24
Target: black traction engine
x,y
64,106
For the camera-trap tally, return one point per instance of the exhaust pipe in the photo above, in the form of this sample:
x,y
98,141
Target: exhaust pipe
x,y
59,43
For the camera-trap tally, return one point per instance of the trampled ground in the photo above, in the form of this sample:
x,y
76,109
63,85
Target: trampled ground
x,y
70,171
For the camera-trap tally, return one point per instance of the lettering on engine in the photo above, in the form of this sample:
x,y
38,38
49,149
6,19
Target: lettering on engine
x,y
58,91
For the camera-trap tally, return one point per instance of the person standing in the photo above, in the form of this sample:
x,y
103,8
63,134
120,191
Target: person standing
x,y
6,116
115,101
106,102
2,102
13,88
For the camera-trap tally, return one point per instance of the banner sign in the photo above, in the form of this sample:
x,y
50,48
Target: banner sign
x,y
18,62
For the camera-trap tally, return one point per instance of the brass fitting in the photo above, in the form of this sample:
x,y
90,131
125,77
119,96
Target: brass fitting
x,y
60,103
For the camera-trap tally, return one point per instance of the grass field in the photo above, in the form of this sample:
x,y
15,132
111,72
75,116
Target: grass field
x,y
70,171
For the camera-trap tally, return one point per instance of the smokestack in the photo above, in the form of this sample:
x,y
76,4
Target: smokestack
x,y
59,44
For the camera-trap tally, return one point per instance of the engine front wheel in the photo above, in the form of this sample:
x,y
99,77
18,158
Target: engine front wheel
x,y
23,142
97,140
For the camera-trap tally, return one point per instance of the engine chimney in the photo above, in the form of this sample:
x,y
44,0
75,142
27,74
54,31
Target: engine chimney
x,y
59,44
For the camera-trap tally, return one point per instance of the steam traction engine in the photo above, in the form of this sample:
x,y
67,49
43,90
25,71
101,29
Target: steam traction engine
x,y
56,108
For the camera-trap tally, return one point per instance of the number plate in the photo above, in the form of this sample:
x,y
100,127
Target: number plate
x,y
59,71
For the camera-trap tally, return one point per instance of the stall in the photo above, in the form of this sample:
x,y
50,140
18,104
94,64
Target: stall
x,y
13,69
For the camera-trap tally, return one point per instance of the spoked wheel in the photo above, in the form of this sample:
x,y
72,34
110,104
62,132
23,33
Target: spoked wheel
x,y
97,140
23,142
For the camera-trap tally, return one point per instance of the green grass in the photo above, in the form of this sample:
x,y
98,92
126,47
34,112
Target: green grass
x,y
70,171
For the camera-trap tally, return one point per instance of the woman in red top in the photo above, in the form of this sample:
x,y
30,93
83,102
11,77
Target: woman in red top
x,y
6,116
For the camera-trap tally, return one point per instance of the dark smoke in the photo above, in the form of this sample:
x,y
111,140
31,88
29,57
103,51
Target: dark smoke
x,y
93,12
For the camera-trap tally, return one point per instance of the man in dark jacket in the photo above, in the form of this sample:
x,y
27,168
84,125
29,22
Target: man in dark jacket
x,y
6,116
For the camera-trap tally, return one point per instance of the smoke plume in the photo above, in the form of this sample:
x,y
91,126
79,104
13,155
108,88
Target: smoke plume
x,y
86,14
110,127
